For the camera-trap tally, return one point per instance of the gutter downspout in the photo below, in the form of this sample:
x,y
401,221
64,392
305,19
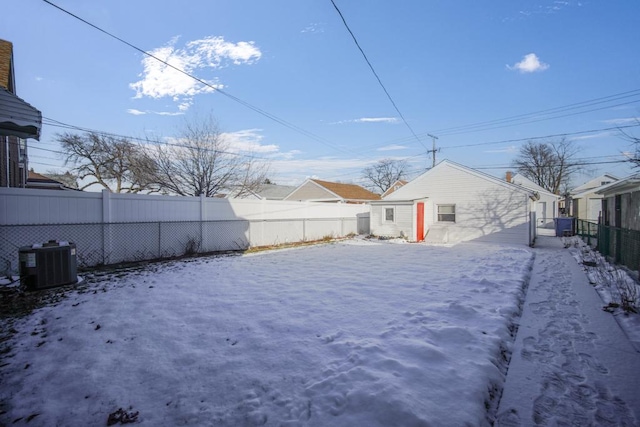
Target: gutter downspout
x,y
6,147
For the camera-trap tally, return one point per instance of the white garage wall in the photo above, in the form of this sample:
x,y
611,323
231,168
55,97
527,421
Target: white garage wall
x,y
486,209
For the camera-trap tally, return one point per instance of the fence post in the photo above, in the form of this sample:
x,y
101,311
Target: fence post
x,y
106,227
159,239
203,244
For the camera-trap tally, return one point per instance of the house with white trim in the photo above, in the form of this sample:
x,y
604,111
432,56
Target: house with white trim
x,y
315,190
621,203
546,205
452,203
586,202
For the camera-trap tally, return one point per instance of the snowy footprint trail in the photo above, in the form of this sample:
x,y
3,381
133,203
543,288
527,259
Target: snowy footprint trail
x,y
571,364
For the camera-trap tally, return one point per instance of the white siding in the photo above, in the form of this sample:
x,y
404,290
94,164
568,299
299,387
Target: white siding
x,y
595,182
402,224
588,206
486,209
311,191
593,209
550,205
546,207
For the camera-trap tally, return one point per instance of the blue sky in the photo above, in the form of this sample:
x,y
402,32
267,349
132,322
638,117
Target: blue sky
x,y
446,64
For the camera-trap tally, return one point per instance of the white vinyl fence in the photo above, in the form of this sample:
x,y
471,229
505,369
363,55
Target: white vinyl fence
x,y
110,228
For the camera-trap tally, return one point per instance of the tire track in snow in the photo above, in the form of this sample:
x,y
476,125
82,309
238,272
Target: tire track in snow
x,y
570,393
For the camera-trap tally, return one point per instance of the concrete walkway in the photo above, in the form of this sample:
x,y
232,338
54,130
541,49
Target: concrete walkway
x,y
572,364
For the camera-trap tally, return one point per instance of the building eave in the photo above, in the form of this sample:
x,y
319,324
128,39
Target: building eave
x,y
17,117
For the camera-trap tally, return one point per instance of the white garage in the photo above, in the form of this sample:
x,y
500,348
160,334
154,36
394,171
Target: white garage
x,y
452,203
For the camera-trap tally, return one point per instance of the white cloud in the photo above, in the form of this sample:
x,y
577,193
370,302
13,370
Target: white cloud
x,y
168,113
248,140
160,80
377,120
242,141
287,155
159,113
369,120
592,136
545,7
315,27
530,64
324,167
509,149
625,121
392,148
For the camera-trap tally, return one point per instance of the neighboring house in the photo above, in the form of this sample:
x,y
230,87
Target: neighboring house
x,y
274,191
586,203
621,203
452,203
18,121
36,180
396,185
315,190
546,205
265,192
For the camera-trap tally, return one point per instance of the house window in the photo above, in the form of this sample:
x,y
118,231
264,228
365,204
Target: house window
x,y
389,214
446,213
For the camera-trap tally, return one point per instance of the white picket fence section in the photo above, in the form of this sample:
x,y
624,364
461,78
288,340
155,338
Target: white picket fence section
x,y
111,228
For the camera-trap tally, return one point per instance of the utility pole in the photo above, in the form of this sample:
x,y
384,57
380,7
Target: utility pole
x,y
433,150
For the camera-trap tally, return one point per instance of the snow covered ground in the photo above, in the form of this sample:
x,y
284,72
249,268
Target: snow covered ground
x,y
613,283
359,333
572,364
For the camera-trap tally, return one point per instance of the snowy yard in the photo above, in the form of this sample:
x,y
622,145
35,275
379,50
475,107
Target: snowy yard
x,y
359,333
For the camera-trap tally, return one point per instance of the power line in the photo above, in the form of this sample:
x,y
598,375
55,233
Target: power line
x,y
572,164
203,82
44,164
545,118
85,129
531,138
364,55
56,123
483,126
563,108
557,135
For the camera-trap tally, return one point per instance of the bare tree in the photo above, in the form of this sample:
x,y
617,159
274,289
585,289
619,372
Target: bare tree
x,y
385,173
635,157
202,161
116,164
549,164
67,178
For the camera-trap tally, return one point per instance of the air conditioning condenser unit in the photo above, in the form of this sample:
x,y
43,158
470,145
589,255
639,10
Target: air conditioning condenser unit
x,y
48,265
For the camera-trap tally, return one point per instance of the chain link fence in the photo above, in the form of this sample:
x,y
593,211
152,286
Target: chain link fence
x,y
588,231
112,243
621,245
